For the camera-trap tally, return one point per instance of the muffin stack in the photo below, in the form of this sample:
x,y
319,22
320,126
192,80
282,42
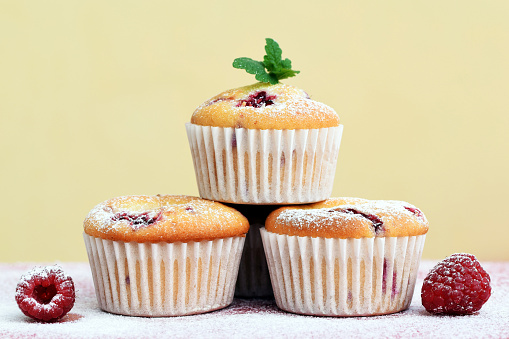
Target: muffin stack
x,y
256,148
259,146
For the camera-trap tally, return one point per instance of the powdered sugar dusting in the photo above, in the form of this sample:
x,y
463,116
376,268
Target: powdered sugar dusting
x,y
143,211
300,107
252,318
104,213
40,273
295,109
265,106
315,218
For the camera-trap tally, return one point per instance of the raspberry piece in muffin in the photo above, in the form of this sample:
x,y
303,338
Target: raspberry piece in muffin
x,y
138,220
45,293
257,100
377,223
456,285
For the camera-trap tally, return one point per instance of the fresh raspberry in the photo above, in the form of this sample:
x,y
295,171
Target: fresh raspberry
x,y
45,293
456,285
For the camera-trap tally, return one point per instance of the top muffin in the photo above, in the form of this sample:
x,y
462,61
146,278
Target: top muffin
x,y
265,106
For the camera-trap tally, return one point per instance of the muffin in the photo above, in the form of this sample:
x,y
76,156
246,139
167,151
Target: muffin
x,y
264,144
267,143
253,280
164,255
344,256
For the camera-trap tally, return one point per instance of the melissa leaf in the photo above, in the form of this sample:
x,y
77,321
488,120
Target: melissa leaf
x,y
272,69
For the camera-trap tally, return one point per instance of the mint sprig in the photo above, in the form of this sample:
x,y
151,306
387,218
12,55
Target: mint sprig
x,y
272,69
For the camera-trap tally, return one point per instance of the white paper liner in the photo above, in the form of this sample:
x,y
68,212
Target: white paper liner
x,y
164,279
249,166
253,280
342,277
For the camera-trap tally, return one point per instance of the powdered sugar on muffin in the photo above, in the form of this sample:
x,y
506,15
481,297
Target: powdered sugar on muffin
x,y
349,218
265,106
163,218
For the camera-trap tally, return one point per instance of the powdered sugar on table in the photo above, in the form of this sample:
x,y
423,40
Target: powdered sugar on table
x,y
251,318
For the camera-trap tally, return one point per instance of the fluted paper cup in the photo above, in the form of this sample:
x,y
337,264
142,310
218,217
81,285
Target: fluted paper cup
x,y
249,166
342,277
164,279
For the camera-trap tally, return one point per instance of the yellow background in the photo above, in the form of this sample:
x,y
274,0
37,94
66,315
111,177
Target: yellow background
x,y
94,96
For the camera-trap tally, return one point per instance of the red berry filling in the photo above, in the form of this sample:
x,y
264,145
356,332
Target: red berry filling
x,y
45,294
456,285
394,289
257,100
190,209
376,221
415,211
234,140
138,220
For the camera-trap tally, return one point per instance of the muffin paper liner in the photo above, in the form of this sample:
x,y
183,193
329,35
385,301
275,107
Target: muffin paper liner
x,y
342,277
249,166
253,280
164,279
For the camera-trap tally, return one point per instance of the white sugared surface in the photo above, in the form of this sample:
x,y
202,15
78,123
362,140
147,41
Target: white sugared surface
x,y
251,318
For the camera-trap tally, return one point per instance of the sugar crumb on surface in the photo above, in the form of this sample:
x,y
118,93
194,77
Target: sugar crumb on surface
x,y
251,318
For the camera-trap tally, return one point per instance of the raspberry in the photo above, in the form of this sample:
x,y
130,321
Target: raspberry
x,y
45,293
376,221
257,100
138,220
417,212
456,285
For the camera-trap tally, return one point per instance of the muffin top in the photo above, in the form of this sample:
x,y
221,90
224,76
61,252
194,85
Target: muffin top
x,y
349,218
163,218
265,106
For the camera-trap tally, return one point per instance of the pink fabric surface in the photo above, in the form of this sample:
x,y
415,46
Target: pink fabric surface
x,y
251,318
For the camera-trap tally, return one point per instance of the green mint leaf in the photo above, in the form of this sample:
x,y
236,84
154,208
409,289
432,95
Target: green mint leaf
x,y
273,79
286,63
272,69
251,66
272,60
286,73
263,77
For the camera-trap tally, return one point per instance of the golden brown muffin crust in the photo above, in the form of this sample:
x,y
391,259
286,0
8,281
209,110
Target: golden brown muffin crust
x,y
349,218
265,106
163,218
